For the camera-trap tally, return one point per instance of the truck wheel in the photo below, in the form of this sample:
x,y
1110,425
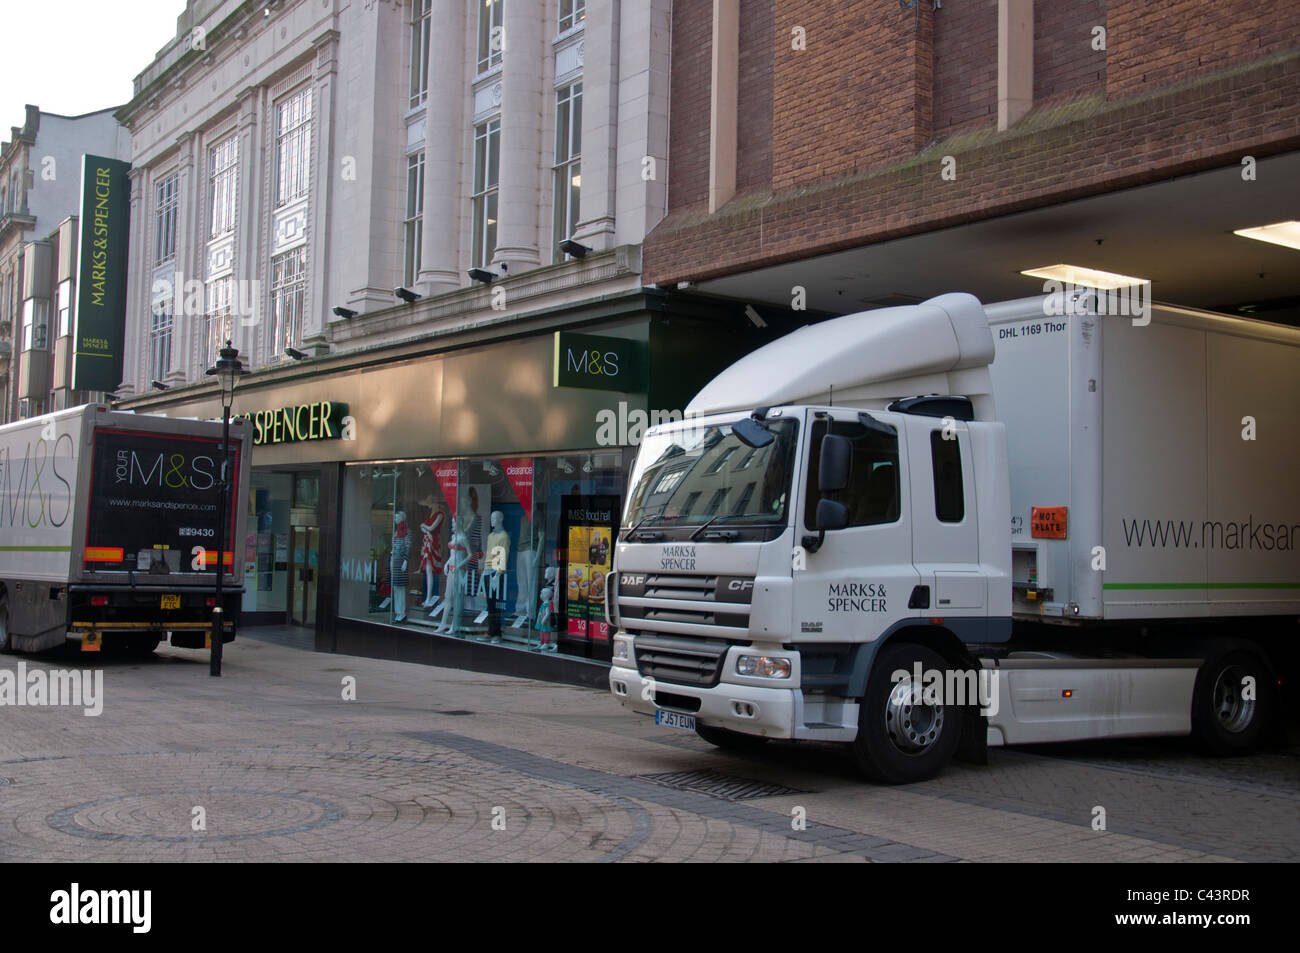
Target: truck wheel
x,y
1228,714
729,740
900,739
6,640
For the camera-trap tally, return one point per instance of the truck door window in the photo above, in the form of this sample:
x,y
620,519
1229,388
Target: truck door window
x,y
873,491
949,501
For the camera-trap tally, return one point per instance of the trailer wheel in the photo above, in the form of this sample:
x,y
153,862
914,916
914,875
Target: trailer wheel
x,y
729,740
6,640
1232,703
900,738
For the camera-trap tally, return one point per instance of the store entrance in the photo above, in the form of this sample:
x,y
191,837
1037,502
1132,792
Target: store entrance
x,y
304,543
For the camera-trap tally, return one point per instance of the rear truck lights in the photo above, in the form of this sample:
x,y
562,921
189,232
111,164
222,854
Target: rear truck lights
x,y
212,601
99,600
622,648
763,666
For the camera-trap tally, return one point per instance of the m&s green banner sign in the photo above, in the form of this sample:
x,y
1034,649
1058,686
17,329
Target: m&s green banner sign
x,y
101,275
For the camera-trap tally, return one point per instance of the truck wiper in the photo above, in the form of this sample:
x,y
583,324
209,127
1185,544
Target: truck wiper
x,y
641,522
705,525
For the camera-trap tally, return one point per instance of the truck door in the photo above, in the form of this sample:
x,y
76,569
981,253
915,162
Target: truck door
x,y
858,583
945,532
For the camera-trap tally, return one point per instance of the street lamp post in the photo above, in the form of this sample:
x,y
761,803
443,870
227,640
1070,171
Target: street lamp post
x,y
227,371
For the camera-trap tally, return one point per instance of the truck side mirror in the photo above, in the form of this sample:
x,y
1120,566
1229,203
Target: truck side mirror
x,y
831,514
833,464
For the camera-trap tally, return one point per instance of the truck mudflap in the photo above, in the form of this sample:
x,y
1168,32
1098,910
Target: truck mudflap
x,y
1049,697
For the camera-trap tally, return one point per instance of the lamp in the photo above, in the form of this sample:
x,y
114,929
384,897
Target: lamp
x,y
481,274
407,295
574,249
227,370
343,312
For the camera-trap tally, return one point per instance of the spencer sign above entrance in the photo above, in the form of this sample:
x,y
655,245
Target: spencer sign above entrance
x,y
320,420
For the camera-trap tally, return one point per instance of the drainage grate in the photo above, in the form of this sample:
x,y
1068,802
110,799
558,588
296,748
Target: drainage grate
x,y
719,785
455,711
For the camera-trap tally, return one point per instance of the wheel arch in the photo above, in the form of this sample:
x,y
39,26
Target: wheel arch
x,y
940,638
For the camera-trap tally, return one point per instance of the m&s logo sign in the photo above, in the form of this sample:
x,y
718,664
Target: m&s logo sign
x,y
603,363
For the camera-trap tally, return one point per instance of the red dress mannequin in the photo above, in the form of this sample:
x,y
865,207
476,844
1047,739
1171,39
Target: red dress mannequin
x,y
431,558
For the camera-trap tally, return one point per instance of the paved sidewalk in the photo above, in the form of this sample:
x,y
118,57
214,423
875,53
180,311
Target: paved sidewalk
x,y
436,764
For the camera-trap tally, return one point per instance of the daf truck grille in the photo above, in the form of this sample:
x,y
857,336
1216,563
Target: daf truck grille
x,y
686,605
681,661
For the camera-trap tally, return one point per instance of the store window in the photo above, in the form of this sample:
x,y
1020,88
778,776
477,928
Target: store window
x,y
509,550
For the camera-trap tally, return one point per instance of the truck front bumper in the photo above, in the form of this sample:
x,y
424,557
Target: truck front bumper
x,y
751,709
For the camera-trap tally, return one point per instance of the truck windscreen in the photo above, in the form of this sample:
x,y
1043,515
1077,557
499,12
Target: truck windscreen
x,y
154,503
691,475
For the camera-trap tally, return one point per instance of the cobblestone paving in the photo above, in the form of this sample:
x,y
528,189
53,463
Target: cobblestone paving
x,y
433,764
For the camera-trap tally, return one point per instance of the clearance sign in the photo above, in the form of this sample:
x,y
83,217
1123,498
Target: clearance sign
x,y
599,363
322,420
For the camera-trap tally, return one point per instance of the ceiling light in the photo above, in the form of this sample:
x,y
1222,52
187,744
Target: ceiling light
x,y
1279,233
1084,277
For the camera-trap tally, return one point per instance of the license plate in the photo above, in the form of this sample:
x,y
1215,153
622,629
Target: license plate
x,y
672,719
171,601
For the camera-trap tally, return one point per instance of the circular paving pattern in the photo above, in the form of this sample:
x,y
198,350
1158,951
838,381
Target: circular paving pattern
x,y
228,815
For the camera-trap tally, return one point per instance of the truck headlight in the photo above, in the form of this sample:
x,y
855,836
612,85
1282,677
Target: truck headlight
x,y
622,648
763,666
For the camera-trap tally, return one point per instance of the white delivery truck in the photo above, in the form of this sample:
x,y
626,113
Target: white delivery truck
x,y
109,528
943,524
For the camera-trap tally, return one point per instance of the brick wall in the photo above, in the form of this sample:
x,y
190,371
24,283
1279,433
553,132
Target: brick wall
x,y
965,65
1101,147
754,119
1064,60
1151,44
859,96
688,117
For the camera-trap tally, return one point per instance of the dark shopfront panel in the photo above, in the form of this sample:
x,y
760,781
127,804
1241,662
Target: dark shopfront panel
x,y
438,444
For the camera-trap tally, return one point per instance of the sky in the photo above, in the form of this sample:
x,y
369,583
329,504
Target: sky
x,y
77,56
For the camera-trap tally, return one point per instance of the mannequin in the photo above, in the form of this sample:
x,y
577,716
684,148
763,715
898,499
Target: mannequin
x,y
397,565
546,612
525,580
455,572
473,527
496,559
431,557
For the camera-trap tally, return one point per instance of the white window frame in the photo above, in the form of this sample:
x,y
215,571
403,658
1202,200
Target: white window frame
x,y
413,224
572,14
166,212
288,301
36,324
162,324
219,294
487,169
491,33
65,308
567,177
293,126
223,186
421,20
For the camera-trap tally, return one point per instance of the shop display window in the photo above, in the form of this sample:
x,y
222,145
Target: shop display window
x,y
508,550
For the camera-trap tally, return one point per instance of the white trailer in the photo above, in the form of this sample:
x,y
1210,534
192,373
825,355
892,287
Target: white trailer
x,y
109,528
1085,526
